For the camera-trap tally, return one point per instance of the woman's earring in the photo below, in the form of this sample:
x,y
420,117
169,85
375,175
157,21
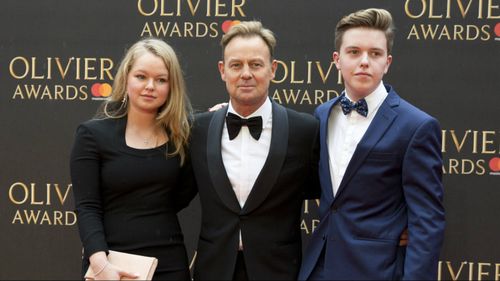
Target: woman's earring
x,y
124,100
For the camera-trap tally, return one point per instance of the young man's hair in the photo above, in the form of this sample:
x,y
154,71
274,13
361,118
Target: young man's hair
x,y
248,29
378,19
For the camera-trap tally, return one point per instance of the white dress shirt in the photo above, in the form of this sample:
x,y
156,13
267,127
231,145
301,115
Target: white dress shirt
x,y
244,157
345,132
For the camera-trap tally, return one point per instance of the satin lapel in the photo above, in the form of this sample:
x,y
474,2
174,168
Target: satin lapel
x,y
325,175
381,122
275,159
215,164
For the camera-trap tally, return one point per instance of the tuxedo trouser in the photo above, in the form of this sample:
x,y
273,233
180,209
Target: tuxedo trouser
x,y
240,271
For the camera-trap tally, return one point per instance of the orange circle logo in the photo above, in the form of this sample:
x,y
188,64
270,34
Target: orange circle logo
x,y
101,90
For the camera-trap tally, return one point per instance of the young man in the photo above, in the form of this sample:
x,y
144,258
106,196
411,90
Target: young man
x,y
255,162
380,168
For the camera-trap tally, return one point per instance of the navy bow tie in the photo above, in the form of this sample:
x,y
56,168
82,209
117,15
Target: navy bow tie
x,y
347,106
234,123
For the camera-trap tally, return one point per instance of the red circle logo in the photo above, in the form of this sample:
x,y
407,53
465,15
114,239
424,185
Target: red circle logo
x,y
495,164
226,25
497,29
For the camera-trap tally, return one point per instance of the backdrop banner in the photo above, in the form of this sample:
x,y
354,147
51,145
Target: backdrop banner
x,y
58,60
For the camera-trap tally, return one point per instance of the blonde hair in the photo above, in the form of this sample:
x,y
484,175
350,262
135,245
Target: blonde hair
x,y
249,29
378,19
174,116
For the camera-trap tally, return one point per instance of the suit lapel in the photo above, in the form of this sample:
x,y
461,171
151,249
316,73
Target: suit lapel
x,y
326,179
215,164
380,123
275,159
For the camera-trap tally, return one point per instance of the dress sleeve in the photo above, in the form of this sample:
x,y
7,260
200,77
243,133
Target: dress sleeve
x,y
188,189
85,176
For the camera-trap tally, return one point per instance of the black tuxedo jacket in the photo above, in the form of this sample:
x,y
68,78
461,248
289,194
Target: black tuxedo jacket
x,y
270,219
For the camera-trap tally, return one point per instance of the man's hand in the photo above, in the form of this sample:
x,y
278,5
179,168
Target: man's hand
x,y
218,106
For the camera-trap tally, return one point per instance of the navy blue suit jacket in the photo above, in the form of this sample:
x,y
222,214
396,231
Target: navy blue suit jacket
x,y
393,181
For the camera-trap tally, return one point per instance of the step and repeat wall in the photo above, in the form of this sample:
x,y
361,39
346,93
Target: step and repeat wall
x,y
58,59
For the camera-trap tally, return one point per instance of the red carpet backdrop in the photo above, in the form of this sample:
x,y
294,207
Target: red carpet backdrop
x,y
58,58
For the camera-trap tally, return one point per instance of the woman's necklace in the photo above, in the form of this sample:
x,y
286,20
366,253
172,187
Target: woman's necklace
x,y
146,141
150,140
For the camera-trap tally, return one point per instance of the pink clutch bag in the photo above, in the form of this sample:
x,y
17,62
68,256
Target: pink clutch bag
x,y
143,265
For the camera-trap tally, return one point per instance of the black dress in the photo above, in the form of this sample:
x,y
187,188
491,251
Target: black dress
x,y
127,199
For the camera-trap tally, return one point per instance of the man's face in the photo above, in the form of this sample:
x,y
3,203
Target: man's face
x,y
247,70
362,60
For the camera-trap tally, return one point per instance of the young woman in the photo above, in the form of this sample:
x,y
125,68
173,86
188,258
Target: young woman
x,y
130,168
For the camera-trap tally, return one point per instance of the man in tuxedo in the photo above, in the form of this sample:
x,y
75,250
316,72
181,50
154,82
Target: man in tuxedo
x,y
254,162
380,168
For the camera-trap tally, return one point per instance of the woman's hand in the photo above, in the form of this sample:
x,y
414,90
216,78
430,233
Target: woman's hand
x,y
104,270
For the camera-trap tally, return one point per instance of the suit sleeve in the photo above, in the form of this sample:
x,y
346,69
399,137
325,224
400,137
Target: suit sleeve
x,y
85,176
423,190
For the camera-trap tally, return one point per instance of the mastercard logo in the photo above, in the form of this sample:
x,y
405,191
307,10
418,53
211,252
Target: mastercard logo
x,y
101,90
497,29
226,25
495,164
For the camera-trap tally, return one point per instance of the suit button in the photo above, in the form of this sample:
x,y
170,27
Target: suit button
x,y
334,209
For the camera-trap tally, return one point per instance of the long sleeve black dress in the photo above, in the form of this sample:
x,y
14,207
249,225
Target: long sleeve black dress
x,y
127,199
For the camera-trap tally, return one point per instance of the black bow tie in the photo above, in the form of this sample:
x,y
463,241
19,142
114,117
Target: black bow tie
x,y
347,106
234,123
